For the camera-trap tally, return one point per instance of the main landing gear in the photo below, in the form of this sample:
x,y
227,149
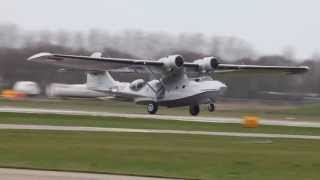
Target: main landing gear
x,y
152,108
195,109
211,107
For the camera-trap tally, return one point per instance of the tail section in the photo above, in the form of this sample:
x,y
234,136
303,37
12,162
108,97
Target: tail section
x,y
100,80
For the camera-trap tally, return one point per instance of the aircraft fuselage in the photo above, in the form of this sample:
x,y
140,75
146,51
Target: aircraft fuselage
x,y
185,93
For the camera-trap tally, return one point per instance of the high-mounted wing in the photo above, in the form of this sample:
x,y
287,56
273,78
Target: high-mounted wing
x,y
91,63
206,65
210,64
249,69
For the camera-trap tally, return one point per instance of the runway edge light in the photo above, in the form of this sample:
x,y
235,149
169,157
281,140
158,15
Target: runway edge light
x,y
250,122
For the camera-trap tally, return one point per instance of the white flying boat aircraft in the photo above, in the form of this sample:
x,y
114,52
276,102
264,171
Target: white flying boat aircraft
x,y
173,83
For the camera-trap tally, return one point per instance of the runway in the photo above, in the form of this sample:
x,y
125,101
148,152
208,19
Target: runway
x,y
18,174
154,131
295,123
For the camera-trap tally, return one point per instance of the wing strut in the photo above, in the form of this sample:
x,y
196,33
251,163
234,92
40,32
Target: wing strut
x,y
159,93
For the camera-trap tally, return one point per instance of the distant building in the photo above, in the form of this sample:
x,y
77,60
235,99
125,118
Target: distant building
x,y
29,88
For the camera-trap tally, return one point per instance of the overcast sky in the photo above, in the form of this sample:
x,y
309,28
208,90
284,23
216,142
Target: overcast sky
x,y
269,25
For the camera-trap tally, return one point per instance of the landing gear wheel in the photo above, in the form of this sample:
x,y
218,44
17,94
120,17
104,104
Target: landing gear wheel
x,y
211,107
152,108
194,110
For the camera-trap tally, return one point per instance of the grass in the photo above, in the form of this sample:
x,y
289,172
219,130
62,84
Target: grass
x,y
76,104
301,112
304,112
191,156
185,156
139,123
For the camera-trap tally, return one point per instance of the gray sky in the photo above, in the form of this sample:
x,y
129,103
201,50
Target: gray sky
x,y
269,25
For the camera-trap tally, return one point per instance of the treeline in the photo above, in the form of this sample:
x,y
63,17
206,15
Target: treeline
x,y
16,45
138,43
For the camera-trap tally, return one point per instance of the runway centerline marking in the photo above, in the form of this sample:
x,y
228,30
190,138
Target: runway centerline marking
x,y
296,123
26,174
155,131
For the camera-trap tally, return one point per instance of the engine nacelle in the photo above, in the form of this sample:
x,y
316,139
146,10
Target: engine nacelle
x,y
173,62
207,64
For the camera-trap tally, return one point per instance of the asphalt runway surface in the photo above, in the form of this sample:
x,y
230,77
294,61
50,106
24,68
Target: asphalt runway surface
x,y
295,123
24,174
154,131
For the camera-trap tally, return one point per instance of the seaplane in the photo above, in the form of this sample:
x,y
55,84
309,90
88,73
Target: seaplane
x,y
172,82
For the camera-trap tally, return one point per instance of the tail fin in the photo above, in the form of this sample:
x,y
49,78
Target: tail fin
x,y
100,80
96,55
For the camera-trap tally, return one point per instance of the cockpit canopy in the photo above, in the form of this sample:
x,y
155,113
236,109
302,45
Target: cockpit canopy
x,y
137,84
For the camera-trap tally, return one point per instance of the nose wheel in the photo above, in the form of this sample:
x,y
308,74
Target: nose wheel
x,y
211,107
194,110
152,108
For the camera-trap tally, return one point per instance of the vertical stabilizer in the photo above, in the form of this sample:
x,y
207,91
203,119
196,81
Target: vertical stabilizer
x,y
96,55
100,80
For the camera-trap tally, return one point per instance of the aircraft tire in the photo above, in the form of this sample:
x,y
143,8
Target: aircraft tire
x,y
152,108
194,110
211,107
